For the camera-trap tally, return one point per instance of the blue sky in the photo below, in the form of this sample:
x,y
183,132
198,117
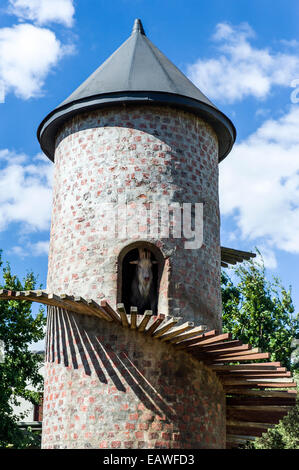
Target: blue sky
x,y
243,54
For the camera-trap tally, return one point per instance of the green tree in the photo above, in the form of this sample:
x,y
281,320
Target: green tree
x,y
260,312
19,373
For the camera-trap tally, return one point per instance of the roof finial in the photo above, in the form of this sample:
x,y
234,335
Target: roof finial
x,y
138,27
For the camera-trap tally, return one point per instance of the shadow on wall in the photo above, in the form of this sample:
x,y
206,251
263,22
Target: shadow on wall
x,y
173,387
170,390
66,334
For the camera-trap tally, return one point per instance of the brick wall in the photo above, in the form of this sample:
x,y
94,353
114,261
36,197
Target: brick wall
x,y
133,154
109,387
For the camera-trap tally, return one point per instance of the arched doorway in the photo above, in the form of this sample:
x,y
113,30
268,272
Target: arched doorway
x,y
127,270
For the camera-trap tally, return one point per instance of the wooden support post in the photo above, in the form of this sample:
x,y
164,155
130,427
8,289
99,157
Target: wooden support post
x,y
157,322
123,315
133,312
176,331
144,321
169,324
110,312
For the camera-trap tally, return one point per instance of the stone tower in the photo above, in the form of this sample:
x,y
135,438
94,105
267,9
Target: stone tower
x,y
136,134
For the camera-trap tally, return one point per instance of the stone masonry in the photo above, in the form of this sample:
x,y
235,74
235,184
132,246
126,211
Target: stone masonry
x,y
135,155
107,387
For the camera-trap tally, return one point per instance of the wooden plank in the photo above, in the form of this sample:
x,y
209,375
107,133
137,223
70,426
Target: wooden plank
x,y
259,376
247,427
133,313
224,265
264,393
196,339
248,424
120,308
44,299
236,367
230,386
190,334
241,358
223,345
259,408
169,324
110,312
156,323
260,401
230,439
236,381
67,302
176,331
249,352
245,349
246,431
245,370
78,304
253,416
144,321
242,253
97,309
89,308
216,339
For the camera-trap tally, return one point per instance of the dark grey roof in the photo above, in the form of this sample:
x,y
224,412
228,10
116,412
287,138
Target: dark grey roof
x,y
137,72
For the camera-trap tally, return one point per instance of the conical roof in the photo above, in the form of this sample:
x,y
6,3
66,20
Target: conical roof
x,y
137,72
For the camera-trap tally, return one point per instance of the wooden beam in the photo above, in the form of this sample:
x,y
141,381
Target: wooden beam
x,y
78,304
196,339
246,352
274,383
123,315
241,358
97,309
133,313
109,310
264,393
223,345
190,334
229,387
236,367
260,401
253,429
236,440
176,331
144,321
252,375
169,324
245,349
224,265
157,320
203,341
259,408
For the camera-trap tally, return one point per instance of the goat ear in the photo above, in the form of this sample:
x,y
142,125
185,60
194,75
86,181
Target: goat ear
x,y
133,262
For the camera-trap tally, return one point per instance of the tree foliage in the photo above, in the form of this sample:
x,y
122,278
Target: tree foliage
x,y
19,374
260,312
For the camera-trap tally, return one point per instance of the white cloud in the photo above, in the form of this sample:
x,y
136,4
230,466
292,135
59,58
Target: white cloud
x,y
259,185
267,257
240,69
25,193
44,11
40,248
30,249
27,55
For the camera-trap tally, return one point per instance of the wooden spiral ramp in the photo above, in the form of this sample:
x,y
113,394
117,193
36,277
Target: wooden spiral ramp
x,y
258,394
